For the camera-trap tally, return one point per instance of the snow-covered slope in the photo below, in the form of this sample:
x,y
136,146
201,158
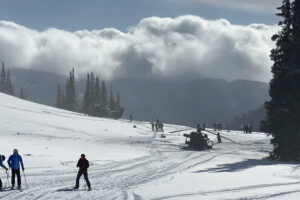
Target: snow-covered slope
x,y
133,163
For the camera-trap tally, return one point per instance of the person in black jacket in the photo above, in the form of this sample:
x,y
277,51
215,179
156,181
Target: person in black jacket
x,y
83,165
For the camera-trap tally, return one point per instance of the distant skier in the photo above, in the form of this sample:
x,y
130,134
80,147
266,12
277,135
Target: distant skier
x,y
2,158
219,138
250,129
130,117
157,125
83,165
246,128
203,126
215,126
161,126
152,126
14,163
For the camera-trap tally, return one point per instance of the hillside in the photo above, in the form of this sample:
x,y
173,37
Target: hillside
x,y
185,102
133,163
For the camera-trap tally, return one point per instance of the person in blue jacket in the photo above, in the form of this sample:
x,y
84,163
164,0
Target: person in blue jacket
x,y
14,162
2,158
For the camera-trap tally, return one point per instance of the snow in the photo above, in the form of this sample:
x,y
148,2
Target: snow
x,y
135,163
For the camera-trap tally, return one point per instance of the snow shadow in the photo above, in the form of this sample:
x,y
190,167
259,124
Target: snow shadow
x,y
243,165
69,190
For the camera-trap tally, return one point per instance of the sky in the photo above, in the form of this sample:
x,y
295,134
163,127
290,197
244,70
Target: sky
x,y
169,39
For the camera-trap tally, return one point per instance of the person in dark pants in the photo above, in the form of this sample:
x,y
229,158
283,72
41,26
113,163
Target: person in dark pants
x,y
83,165
2,158
152,125
14,162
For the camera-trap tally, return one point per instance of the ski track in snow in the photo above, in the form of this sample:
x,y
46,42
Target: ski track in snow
x,y
165,171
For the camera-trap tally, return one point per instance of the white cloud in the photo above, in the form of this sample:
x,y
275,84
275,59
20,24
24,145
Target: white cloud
x,y
250,5
185,47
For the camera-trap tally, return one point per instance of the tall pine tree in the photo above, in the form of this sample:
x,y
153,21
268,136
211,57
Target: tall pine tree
x,y
103,95
111,99
70,101
9,88
59,98
283,110
3,78
118,100
86,102
97,92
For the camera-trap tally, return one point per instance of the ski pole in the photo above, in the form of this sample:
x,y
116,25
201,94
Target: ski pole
x,y
25,179
7,177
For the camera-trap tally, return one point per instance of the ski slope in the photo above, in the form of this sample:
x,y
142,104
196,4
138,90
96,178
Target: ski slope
x,y
134,163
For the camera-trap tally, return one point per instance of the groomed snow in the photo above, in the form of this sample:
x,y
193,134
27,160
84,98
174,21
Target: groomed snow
x,y
134,163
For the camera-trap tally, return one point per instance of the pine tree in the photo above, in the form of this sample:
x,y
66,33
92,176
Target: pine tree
x,y
3,78
92,91
118,99
86,102
283,110
70,102
9,88
111,99
97,91
59,102
103,95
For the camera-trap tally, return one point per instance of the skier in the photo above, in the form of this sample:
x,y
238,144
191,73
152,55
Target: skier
x,y
14,162
250,129
83,165
130,117
219,138
152,125
2,158
157,125
246,128
203,126
215,126
162,127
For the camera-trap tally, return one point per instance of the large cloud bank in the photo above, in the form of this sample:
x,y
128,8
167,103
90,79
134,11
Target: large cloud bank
x,y
186,47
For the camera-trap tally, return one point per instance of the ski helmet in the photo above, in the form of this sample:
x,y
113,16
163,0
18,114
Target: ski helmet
x,y
2,157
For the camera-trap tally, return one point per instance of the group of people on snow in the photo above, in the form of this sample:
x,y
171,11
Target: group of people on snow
x,y
157,126
217,126
15,163
247,128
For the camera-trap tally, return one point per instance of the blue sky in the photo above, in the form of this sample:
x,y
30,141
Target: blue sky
x,y
97,14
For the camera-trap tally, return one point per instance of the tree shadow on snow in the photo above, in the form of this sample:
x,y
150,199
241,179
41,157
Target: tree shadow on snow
x,y
243,165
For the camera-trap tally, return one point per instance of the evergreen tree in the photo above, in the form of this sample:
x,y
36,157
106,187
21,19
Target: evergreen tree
x,y
111,99
3,78
92,90
283,110
97,91
9,88
103,95
70,102
86,102
118,99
